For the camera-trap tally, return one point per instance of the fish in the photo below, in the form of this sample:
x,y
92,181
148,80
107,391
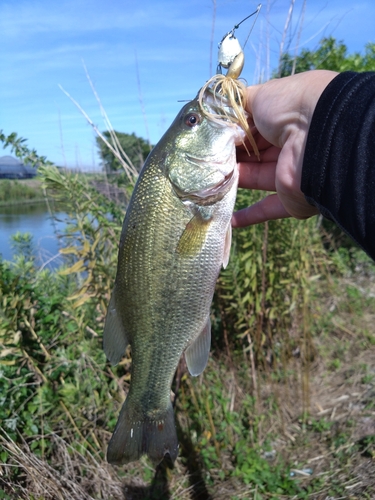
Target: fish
x,y
175,238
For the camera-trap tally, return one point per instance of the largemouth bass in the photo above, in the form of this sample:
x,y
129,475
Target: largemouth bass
x,y
175,238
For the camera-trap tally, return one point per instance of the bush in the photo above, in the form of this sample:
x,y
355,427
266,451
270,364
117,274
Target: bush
x,y
265,289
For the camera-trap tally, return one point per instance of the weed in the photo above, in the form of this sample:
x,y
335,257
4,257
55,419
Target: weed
x,y
320,425
335,364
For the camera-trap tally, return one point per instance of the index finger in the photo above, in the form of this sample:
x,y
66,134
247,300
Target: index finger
x,y
270,208
254,175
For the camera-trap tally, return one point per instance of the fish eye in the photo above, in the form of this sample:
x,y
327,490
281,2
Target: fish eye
x,y
192,119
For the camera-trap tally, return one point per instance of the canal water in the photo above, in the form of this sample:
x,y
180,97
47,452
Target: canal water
x,y
34,219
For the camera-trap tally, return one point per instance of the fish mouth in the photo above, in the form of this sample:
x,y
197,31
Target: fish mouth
x,y
220,111
220,187
216,103
209,195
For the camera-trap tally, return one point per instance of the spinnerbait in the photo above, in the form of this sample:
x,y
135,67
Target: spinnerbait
x,y
231,55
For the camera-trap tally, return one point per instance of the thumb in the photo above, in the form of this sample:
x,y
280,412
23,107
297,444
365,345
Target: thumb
x,y
251,93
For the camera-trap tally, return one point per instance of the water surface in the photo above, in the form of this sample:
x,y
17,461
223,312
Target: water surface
x,y
34,219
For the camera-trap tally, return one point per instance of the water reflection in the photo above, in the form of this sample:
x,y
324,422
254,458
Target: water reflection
x,y
34,219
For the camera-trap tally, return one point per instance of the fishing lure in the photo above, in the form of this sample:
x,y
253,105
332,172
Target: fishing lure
x,y
228,86
231,55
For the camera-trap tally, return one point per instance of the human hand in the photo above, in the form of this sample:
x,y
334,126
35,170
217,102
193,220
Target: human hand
x,y
281,112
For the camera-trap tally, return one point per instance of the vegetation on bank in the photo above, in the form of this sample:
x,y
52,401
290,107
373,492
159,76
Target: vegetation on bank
x,y
332,55
284,409
17,192
20,192
249,427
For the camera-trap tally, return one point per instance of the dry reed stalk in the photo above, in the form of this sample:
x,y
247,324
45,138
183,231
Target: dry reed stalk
x,y
225,334
305,273
214,4
141,101
33,367
71,419
262,313
41,478
285,31
253,369
119,152
36,337
115,147
193,395
213,429
298,37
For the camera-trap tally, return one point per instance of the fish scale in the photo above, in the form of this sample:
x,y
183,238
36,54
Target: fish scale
x,y
175,238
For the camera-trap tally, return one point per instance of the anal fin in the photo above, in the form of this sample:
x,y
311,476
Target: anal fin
x,y
227,245
114,337
197,353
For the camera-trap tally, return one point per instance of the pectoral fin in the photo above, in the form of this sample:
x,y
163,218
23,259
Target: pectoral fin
x,y
114,337
227,245
197,353
194,235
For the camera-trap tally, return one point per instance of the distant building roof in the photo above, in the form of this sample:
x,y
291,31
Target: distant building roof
x,y
9,160
13,168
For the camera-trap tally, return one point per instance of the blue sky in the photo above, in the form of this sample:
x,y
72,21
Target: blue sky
x,y
142,56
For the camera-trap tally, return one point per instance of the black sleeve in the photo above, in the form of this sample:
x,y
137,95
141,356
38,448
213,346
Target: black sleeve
x,y
338,174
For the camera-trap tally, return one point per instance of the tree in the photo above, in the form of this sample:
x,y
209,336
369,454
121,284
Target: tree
x,y
332,55
136,148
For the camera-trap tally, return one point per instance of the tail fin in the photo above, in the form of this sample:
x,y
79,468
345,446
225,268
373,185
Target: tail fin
x,y
134,437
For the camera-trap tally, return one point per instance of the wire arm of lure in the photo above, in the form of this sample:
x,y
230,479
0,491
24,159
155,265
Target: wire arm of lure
x,y
231,55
